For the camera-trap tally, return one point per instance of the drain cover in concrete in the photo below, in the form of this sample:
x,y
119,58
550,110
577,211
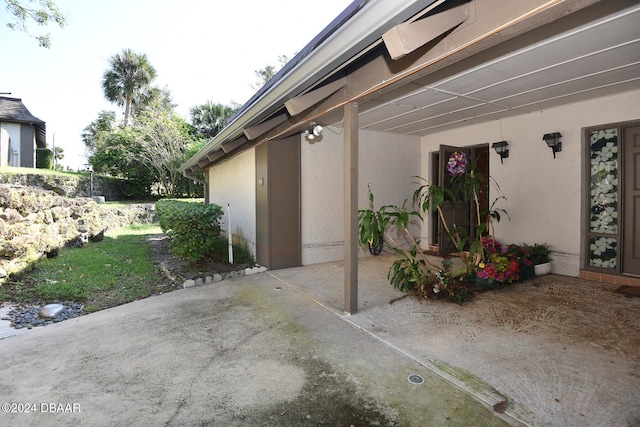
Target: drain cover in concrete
x,y
415,379
51,310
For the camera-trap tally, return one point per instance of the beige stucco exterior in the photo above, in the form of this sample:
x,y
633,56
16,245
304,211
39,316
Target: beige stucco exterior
x,y
10,144
544,195
232,186
387,162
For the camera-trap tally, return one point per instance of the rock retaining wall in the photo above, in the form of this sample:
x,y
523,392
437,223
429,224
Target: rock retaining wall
x,y
69,185
36,223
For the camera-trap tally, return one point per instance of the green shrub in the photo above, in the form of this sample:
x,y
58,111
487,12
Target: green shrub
x,y
135,190
241,252
44,158
191,227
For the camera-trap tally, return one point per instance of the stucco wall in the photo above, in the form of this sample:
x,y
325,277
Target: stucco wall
x,y
544,194
233,183
10,140
387,162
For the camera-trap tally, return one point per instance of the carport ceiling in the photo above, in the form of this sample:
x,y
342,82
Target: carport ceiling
x,y
537,70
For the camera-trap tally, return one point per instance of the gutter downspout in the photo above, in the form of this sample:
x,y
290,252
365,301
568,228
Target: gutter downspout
x,y
198,181
191,177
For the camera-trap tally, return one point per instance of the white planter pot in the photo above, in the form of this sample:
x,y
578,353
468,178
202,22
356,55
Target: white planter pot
x,y
542,269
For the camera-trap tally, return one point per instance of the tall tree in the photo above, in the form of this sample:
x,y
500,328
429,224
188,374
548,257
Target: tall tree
x,y
42,15
149,152
154,97
58,154
93,134
265,74
162,138
209,119
128,80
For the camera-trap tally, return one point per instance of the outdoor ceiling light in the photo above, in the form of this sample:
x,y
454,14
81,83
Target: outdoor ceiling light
x,y
314,131
553,141
502,148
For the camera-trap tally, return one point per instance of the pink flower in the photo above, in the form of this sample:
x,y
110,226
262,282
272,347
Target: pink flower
x,y
457,164
490,270
492,245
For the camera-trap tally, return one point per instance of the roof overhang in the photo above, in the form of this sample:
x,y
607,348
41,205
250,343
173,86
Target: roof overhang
x,y
357,27
433,43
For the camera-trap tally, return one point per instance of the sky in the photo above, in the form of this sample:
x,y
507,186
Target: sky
x,y
202,51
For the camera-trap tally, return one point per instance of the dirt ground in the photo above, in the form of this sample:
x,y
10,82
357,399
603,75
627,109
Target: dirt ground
x,y
182,269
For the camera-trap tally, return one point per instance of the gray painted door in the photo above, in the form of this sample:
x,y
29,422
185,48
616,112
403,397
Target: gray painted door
x,y
278,229
455,211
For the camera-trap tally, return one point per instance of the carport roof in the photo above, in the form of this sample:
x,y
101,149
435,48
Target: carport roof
x,y
358,26
495,59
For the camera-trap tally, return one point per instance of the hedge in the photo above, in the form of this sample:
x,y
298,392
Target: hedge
x,y
191,227
44,158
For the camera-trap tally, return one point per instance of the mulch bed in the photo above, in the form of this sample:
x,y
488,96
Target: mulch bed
x,y
185,269
629,291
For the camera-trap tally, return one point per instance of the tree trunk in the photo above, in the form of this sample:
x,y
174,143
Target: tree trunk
x,y
127,110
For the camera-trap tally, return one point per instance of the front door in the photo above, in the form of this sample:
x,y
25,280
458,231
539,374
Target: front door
x,y
455,210
631,201
613,199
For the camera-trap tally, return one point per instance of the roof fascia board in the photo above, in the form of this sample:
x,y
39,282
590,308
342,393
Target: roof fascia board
x,y
409,36
379,75
228,147
213,156
366,27
255,131
300,103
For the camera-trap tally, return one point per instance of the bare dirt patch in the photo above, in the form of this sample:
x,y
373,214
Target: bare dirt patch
x,y
183,269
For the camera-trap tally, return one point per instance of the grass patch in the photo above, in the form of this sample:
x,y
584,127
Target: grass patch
x,y
124,204
35,171
103,274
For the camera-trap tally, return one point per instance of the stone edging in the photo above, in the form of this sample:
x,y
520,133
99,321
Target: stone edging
x,y
212,278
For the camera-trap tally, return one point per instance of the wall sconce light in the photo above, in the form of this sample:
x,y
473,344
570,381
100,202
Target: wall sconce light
x,y
314,131
553,141
502,148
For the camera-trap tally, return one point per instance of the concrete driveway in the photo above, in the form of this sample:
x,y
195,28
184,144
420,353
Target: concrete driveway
x,y
245,351
277,349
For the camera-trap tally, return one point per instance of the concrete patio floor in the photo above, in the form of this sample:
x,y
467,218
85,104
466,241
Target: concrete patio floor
x,y
277,349
563,351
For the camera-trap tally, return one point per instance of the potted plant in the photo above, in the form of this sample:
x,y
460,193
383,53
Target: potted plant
x,y
371,226
524,258
541,255
499,269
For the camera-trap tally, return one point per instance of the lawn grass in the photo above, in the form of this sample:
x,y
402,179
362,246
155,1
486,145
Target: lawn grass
x,y
11,170
103,274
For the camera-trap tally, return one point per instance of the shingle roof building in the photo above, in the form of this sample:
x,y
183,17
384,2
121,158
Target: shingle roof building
x,y
14,111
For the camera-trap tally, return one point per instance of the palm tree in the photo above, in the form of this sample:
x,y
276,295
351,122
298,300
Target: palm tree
x,y
210,118
128,80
